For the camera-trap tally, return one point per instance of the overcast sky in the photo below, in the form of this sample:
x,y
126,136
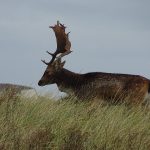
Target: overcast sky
x,y
106,36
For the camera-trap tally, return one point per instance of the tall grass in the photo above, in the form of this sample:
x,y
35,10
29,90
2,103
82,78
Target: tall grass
x,y
43,123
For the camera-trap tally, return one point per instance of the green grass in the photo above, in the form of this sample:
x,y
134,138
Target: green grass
x,y
43,123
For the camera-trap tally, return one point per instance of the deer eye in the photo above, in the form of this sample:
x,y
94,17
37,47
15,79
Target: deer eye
x,y
46,72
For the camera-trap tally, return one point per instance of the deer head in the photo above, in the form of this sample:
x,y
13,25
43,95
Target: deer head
x,y
63,48
51,72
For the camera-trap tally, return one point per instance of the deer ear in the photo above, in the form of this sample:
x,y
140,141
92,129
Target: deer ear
x,y
62,64
57,62
58,65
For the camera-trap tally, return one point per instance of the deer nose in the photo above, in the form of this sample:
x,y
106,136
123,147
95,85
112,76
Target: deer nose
x,y
40,83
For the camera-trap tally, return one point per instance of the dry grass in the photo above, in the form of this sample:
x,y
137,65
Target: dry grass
x,y
43,123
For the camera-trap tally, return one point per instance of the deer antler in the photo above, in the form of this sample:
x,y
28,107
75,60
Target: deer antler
x,y
62,39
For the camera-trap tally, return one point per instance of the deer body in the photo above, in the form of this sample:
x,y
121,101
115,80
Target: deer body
x,y
100,85
109,86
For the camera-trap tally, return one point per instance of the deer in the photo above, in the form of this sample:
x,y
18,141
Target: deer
x,y
113,87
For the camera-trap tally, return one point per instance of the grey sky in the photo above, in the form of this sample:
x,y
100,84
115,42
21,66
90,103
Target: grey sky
x,y
106,36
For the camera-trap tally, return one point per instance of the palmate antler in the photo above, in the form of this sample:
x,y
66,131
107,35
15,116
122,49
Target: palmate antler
x,y
63,43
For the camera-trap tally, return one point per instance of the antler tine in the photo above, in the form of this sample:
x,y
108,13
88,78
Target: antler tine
x,y
63,26
68,34
50,53
53,56
45,62
58,23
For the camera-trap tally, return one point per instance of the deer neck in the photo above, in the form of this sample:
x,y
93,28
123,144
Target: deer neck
x,y
68,81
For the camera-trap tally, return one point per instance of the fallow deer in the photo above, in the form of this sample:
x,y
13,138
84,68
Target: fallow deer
x,y
108,86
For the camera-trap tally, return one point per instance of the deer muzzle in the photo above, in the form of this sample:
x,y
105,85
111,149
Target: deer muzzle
x,y
41,83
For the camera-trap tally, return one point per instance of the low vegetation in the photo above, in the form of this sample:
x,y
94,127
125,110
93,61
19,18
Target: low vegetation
x,y
46,124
